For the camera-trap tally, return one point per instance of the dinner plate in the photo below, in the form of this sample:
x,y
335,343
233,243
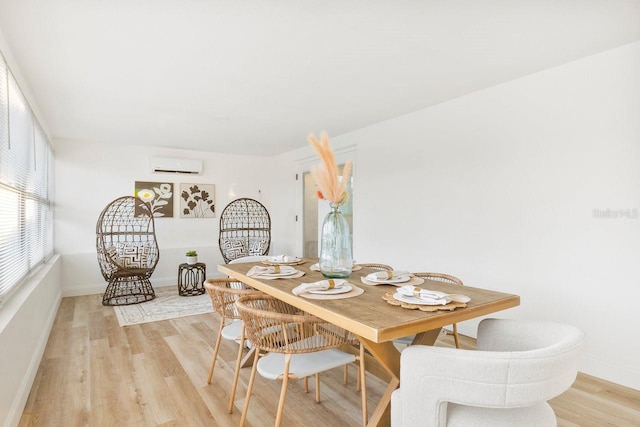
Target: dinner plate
x,y
399,279
289,260
412,300
341,290
281,274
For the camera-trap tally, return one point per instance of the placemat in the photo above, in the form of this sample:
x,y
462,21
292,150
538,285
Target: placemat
x,y
413,281
388,297
354,292
300,261
298,273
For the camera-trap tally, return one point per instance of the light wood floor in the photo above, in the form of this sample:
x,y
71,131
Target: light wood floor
x,y
96,373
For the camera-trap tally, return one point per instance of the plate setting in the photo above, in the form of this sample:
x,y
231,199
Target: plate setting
x,y
341,290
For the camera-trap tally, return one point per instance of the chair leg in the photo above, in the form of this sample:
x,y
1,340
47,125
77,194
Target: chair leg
x,y
283,391
455,335
362,377
254,369
215,351
346,374
317,387
237,372
358,381
306,384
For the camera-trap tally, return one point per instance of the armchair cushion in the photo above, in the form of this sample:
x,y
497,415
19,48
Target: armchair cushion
x,y
233,248
536,362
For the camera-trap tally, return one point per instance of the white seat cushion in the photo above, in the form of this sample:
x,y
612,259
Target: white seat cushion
x,y
539,415
232,331
271,366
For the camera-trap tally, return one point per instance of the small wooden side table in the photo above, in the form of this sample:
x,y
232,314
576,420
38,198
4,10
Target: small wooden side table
x,y
191,279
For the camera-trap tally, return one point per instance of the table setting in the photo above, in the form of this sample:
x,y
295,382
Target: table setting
x,y
327,289
414,297
274,272
283,260
395,278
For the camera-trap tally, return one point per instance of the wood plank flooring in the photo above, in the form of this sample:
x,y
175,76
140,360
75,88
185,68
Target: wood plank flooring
x,y
95,373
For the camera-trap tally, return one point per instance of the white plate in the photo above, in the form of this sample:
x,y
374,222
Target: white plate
x,y
341,290
412,300
289,261
281,274
399,279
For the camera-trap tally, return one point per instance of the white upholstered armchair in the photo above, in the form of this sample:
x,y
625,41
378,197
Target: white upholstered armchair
x,y
518,366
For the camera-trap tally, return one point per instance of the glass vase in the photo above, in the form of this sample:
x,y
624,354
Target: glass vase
x,y
336,259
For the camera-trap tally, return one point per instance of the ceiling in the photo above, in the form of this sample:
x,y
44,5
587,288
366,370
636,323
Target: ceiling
x,y
255,77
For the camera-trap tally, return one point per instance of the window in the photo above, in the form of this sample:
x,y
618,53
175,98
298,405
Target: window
x,y
26,172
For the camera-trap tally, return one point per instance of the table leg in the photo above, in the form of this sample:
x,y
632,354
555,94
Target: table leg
x,y
388,356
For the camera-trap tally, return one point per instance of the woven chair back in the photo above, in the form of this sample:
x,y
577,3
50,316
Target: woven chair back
x,y
126,239
440,277
275,326
224,293
245,229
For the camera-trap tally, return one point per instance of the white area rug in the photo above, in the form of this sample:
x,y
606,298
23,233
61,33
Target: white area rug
x,y
166,305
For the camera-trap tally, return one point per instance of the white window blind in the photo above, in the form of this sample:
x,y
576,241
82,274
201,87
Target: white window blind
x,y
26,208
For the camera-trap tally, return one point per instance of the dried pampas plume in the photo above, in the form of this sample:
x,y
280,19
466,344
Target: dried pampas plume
x,y
326,174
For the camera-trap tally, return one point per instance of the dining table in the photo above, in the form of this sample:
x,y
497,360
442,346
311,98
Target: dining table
x,y
376,322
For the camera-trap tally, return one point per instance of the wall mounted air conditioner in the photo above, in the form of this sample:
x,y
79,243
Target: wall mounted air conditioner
x,y
174,165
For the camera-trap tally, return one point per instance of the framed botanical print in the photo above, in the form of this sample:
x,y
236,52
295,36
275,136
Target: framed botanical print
x,y
197,201
159,195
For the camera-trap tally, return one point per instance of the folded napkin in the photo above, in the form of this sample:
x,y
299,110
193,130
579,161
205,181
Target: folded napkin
x,y
322,285
424,295
386,275
258,270
283,258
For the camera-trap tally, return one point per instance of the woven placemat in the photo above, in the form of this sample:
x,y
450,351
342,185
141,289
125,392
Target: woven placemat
x,y
388,297
300,261
298,273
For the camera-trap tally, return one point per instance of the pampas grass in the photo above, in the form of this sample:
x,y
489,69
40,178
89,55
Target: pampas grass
x,y
326,174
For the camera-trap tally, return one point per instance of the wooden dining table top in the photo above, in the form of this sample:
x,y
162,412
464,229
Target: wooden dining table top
x,y
368,315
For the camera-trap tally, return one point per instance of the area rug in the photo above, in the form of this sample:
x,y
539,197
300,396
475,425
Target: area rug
x,y
166,305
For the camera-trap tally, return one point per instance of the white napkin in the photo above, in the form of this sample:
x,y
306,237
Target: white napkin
x,y
322,285
283,258
432,297
258,270
386,275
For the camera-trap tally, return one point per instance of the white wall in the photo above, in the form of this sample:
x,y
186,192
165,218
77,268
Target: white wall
x,y
499,188
89,176
25,322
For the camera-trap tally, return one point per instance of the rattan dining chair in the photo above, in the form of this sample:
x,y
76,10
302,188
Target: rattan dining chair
x,y
439,277
381,267
223,294
292,344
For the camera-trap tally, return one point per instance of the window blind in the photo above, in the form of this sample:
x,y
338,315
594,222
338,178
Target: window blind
x,y
26,208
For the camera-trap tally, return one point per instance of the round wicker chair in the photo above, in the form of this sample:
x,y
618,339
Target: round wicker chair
x,y
381,267
296,344
245,229
127,251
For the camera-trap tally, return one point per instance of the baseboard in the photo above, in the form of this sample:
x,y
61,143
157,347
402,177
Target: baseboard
x,y
622,375
99,288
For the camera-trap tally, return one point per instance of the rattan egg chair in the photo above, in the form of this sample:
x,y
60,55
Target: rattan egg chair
x,y
127,251
245,229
